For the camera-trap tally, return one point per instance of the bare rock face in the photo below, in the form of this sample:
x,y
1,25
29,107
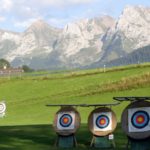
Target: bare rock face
x,y
80,43
132,31
134,23
36,41
43,46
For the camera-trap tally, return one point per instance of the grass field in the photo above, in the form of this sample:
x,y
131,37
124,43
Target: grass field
x,y
27,121
42,137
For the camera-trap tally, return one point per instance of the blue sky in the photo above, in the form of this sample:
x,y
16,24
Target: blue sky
x,y
17,15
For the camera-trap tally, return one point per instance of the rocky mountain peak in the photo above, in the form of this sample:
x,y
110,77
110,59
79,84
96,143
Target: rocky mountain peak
x,y
41,26
91,26
134,23
130,32
80,43
135,16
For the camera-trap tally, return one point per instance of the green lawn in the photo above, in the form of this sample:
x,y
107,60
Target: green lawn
x,y
27,121
42,137
26,97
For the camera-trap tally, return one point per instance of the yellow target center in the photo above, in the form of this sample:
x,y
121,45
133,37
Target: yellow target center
x,y
102,121
140,119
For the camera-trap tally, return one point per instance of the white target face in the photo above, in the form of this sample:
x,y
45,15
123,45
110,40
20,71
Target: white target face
x,y
139,119
2,107
102,121
66,121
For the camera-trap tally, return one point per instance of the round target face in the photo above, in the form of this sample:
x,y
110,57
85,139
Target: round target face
x,y
102,121
140,119
2,107
65,120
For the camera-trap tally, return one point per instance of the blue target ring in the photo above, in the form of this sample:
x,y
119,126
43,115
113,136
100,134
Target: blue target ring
x,y
65,120
102,121
140,119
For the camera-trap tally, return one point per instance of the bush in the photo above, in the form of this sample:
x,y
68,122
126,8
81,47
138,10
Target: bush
x,y
27,68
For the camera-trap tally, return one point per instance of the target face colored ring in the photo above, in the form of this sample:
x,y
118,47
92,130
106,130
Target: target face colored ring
x,y
102,121
140,119
2,107
65,120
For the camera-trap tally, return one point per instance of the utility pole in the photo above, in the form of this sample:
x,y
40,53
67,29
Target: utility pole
x,y
104,69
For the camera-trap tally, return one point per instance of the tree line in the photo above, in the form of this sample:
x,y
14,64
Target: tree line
x,y
6,64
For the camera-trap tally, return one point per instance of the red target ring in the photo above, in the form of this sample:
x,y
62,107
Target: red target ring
x,y
65,120
140,119
102,121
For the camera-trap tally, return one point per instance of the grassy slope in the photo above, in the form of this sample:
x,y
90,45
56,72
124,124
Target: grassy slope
x,y
26,98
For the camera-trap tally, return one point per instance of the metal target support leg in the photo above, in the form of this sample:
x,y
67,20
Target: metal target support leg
x,y
102,142
66,141
139,144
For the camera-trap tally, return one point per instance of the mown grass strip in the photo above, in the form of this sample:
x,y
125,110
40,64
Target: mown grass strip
x,y
76,73
96,71
121,85
124,84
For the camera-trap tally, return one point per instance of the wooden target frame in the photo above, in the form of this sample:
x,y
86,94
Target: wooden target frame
x,y
125,123
76,121
104,132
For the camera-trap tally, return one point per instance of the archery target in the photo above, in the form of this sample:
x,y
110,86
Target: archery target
x,y
139,119
66,121
2,107
102,121
135,120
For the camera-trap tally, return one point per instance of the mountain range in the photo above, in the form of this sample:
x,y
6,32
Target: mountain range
x,y
84,43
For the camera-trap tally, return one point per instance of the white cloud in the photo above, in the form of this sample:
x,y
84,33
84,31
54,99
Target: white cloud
x,y
6,5
21,13
30,9
58,3
79,1
25,12
2,19
58,22
26,23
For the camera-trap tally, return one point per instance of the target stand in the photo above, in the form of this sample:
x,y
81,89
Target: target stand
x,y
135,122
66,141
102,122
66,123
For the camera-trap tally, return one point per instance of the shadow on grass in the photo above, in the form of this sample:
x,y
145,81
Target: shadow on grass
x,y
42,137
